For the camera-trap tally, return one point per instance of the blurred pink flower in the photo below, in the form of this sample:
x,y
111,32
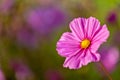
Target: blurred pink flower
x,y
6,5
45,19
112,17
22,72
80,46
109,57
53,75
2,77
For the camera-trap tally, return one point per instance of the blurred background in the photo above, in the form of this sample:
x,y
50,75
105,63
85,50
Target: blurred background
x,y
29,30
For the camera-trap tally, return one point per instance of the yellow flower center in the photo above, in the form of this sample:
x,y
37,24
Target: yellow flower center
x,y
85,43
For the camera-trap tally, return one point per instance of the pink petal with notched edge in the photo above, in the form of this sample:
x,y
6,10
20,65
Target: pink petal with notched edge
x,y
67,45
73,62
99,38
101,35
90,57
81,59
67,36
77,28
91,26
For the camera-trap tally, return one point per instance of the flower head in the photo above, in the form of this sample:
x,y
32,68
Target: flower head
x,y
2,77
22,71
44,20
53,75
81,44
112,17
6,5
109,57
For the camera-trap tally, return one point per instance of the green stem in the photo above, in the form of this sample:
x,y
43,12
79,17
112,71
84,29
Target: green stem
x,y
105,71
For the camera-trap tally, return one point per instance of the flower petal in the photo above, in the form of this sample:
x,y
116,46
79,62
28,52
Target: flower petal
x,y
101,35
77,27
67,45
99,38
81,59
73,62
92,25
95,45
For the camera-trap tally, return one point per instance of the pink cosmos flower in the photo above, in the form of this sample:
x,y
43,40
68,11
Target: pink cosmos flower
x,y
109,57
6,5
53,75
112,17
22,71
2,77
81,44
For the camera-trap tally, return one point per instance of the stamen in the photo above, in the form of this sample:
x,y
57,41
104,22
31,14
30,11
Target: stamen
x,y
85,43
